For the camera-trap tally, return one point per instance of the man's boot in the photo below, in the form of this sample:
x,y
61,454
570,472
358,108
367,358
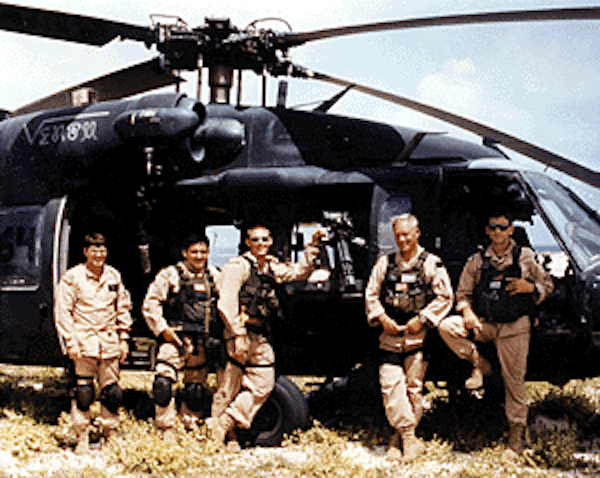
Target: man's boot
x,y
481,368
394,452
233,445
515,437
83,442
411,446
218,428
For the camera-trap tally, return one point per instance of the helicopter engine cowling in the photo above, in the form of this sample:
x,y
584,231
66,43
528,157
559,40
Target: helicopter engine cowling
x,y
47,154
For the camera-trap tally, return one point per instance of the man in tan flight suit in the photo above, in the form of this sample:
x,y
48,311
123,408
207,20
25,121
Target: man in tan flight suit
x,y
248,304
181,308
92,315
496,293
407,292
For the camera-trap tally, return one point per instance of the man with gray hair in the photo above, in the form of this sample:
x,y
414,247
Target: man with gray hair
x,y
408,291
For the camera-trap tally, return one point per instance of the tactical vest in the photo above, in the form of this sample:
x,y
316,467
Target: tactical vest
x,y
259,301
490,298
194,305
405,293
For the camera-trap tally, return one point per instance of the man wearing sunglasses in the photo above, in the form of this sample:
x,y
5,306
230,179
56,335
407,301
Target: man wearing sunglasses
x,y
248,304
497,291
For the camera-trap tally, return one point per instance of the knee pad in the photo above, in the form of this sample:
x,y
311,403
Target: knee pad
x,y
162,390
111,397
84,393
194,396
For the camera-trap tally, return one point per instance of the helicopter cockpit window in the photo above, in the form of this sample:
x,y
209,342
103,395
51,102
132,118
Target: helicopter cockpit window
x,y
544,244
20,247
224,244
579,232
394,206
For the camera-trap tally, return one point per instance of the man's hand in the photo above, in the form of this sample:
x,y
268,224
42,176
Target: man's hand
x,y
389,325
74,353
317,236
471,320
518,285
414,325
241,348
123,350
171,336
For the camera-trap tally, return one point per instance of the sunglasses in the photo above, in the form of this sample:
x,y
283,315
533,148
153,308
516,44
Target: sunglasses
x,y
261,239
502,227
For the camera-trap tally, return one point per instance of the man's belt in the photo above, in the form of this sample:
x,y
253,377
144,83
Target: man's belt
x,y
395,358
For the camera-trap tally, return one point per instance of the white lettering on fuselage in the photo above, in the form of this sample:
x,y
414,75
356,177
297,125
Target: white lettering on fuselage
x,y
74,128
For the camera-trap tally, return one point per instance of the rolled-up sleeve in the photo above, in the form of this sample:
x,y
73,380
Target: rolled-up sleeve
x,y
288,272
233,276
441,287
373,305
467,281
152,308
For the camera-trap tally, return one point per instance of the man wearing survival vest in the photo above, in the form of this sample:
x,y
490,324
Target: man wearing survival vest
x,y
180,307
407,292
496,293
248,304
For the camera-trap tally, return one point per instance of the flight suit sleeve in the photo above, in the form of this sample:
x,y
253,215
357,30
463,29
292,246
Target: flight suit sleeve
x,y
233,276
467,282
441,286
152,308
124,319
535,272
65,296
373,305
285,272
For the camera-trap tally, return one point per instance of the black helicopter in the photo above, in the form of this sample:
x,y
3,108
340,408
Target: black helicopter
x,y
87,158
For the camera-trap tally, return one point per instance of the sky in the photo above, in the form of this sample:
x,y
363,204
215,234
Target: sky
x,y
537,81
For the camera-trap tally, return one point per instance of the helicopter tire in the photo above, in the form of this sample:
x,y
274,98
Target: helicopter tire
x,y
285,410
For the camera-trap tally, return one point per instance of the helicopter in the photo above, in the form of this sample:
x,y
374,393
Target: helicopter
x,y
106,154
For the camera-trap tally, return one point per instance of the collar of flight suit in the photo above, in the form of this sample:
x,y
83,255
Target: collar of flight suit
x,y
504,259
268,259
103,277
409,264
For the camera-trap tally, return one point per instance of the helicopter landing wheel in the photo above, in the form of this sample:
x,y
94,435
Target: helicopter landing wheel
x,y
285,411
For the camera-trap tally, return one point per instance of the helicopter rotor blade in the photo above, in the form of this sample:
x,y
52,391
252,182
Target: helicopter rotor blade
x,y
129,81
591,13
532,151
70,27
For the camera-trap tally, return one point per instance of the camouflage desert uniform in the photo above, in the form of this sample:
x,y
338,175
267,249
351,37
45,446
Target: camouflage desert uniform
x,y
512,338
257,379
93,316
401,387
170,359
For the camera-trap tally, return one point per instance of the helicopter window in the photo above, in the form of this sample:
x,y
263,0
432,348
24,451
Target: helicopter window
x,y
394,206
20,246
301,236
224,244
577,229
545,245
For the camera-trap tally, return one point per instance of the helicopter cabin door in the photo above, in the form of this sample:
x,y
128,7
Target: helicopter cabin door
x,y
32,256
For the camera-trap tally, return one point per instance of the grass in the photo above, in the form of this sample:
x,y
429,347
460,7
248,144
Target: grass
x,y
462,439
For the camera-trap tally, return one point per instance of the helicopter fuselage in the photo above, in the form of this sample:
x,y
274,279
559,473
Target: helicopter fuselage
x,y
148,170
